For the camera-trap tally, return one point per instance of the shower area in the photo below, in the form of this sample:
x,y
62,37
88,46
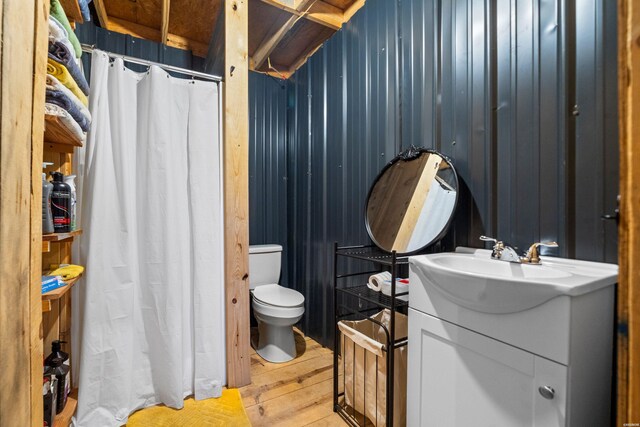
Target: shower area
x,y
149,319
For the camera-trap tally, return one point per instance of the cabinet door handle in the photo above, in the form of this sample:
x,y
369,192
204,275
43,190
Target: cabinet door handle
x,y
547,392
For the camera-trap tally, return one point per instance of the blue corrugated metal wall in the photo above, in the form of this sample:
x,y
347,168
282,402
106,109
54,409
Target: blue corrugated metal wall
x,y
521,94
268,183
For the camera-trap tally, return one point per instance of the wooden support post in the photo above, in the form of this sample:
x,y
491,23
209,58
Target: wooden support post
x,y
164,30
628,389
41,43
236,191
23,47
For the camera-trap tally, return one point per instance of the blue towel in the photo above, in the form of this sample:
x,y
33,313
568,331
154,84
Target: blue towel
x,y
59,98
84,9
61,54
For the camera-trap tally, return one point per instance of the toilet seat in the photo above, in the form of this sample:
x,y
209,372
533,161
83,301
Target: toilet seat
x,y
274,313
278,296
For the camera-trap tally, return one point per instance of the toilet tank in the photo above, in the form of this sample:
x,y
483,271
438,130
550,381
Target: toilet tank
x,y
264,264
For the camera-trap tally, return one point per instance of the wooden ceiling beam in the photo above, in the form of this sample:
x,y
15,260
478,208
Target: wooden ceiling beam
x,y
351,10
72,10
164,30
269,44
125,27
103,18
320,12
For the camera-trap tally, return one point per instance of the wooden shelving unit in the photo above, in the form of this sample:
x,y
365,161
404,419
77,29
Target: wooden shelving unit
x,y
59,144
56,132
358,302
47,239
61,237
63,419
59,292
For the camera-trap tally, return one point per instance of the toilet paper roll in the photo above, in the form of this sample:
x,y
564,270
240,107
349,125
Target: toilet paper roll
x,y
376,281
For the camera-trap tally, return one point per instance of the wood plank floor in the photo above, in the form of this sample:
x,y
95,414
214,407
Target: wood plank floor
x,y
296,393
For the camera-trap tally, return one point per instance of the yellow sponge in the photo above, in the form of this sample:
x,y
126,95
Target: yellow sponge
x,y
68,272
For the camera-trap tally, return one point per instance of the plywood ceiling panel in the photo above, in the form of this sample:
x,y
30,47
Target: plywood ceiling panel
x,y
301,40
282,32
143,12
264,21
194,19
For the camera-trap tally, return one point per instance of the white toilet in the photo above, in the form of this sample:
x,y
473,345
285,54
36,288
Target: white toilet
x,y
275,307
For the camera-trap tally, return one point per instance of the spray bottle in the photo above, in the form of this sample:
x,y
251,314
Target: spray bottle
x,y
47,188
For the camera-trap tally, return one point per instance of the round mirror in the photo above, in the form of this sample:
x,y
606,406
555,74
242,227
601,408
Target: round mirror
x,y
412,201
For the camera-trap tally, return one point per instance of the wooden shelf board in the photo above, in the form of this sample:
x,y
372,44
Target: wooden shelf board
x,y
57,148
63,419
46,306
61,237
56,132
72,10
59,292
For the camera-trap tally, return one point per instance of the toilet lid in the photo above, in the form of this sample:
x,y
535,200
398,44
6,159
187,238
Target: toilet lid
x,y
278,295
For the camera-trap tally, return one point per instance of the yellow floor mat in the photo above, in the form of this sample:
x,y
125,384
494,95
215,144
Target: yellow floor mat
x,y
227,410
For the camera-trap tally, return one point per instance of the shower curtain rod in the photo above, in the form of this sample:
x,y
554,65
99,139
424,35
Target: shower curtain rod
x,y
89,48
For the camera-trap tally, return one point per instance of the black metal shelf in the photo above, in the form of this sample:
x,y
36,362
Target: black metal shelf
x,y
359,301
372,254
377,298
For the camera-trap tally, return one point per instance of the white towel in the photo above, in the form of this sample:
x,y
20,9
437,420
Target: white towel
x,y
66,119
375,281
57,33
400,288
54,84
56,29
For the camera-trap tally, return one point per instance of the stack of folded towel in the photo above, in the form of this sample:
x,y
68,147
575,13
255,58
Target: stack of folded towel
x,y
67,88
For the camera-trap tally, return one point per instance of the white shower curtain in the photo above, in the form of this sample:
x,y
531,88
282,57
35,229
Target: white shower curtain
x,y
150,313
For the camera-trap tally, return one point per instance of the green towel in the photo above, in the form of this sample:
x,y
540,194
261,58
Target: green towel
x,y
58,12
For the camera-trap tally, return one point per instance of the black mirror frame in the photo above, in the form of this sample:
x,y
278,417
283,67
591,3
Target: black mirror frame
x,y
409,154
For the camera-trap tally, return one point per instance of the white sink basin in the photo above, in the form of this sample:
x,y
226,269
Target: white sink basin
x,y
471,279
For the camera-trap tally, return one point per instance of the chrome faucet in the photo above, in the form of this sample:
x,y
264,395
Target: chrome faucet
x,y
504,252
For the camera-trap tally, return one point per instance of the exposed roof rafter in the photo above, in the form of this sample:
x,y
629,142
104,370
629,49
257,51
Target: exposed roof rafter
x,y
164,30
103,18
281,33
269,44
173,40
320,12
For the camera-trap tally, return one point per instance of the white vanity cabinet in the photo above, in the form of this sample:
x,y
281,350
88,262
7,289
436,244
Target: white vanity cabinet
x,y
460,377
549,365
